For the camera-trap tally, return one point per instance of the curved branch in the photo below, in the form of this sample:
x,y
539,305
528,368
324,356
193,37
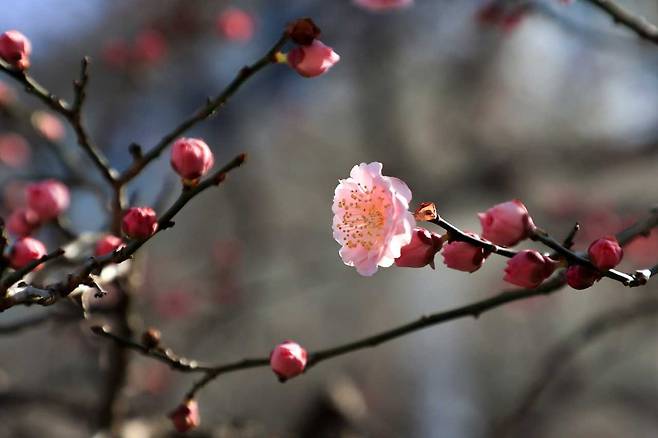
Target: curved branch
x,y
643,28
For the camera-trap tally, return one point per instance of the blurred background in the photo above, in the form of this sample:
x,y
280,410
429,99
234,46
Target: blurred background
x,y
471,103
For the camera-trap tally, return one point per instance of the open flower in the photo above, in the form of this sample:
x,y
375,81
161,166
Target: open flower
x,y
371,218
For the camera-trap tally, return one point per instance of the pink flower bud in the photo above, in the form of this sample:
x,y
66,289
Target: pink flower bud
x,y
48,125
26,250
529,269
48,198
150,47
605,253
191,158
140,222
288,360
14,150
581,277
506,224
7,95
15,48
107,245
312,60
186,416
382,5
236,25
463,256
421,250
22,222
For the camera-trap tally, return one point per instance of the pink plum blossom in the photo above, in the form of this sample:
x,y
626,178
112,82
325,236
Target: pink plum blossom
x,y
312,60
191,158
506,223
581,277
236,25
139,222
26,250
22,222
48,198
107,245
371,218
463,256
605,253
14,150
186,416
48,125
383,5
421,250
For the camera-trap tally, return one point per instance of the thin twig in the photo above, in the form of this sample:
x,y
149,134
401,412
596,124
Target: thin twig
x,y
565,350
18,274
455,233
643,28
204,112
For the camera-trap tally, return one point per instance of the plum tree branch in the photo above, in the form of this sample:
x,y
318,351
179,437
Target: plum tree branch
x,y
207,110
643,28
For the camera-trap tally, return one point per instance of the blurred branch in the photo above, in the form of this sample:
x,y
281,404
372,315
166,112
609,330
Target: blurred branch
x,y
18,274
210,108
643,28
72,113
564,351
36,321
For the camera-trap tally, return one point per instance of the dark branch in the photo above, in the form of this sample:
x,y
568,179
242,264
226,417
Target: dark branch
x,y
626,18
18,274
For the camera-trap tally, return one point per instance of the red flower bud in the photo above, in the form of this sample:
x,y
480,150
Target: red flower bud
x,y
140,222
463,256
22,222
421,250
107,245
581,277
529,269
191,158
236,25
382,5
48,198
186,416
605,253
506,224
288,360
312,60
14,150
15,48
26,250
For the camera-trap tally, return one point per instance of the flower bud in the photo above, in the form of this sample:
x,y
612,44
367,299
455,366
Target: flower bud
x,y
236,25
22,222
506,224
288,360
303,31
605,253
529,269
48,125
186,416
463,256
107,245
150,47
26,250
191,158
48,198
14,150
15,48
581,277
140,222
151,338
421,250
312,60
383,5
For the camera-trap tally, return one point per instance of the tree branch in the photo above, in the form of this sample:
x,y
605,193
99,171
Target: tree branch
x,y
204,112
18,274
643,28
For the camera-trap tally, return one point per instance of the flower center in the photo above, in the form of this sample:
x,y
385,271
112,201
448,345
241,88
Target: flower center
x,y
364,217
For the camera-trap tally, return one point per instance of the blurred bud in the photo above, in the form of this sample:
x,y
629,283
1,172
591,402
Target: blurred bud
x,y
503,16
22,222
529,269
507,223
116,54
303,31
151,338
26,250
288,360
421,250
140,222
312,60
150,47
186,416
426,211
107,245
581,277
605,253
48,198
236,25
48,125
383,5
191,158
15,48
7,95
14,150
463,256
